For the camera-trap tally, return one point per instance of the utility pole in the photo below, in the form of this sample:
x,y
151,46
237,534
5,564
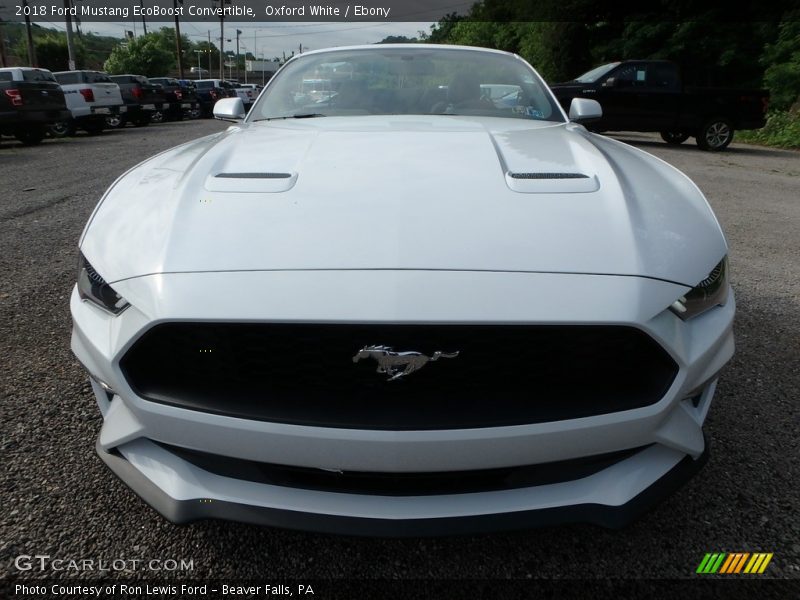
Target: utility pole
x,y
144,23
238,33
221,45
178,49
198,52
209,53
70,42
2,47
31,49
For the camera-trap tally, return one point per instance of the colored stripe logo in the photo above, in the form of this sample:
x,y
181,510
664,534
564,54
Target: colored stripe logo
x,y
734,563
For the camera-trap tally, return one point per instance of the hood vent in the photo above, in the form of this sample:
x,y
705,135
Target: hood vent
x,y
251,182
545,182
548,176
254,175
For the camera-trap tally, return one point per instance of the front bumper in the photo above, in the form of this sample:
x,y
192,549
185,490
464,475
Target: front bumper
x,y
669,432
404,517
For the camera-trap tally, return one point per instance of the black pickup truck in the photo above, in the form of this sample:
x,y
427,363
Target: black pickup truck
x,y
141,97
30,100
648,95
175,103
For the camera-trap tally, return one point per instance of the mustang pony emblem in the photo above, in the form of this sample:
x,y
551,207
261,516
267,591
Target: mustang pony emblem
x,y
398,364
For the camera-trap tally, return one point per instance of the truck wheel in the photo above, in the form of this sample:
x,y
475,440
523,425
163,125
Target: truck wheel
x,y
61,129
115,121
715,134
674,137
157,116
30,137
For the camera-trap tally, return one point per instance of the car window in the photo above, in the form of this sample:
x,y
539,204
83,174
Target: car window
x,y
68,78
631,76
204,85
596,73
662,76
6,76
38,75
95,77
407,81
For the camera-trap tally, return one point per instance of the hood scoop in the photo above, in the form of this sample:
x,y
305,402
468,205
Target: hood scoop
x,y
254,182
551,182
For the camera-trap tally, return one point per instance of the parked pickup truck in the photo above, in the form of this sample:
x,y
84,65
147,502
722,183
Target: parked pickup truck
x,y
648,95
141,98
30,100
91,97
244,92
208,92
175,104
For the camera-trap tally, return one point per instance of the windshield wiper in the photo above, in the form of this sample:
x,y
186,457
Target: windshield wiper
x,y
297,116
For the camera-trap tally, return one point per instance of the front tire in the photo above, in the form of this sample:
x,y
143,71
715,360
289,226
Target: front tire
x,y
715,134
674,138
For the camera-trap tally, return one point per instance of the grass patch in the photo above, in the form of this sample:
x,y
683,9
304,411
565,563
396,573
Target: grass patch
x,y
782,131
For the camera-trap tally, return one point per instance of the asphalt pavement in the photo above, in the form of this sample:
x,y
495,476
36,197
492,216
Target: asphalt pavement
x,y
59,500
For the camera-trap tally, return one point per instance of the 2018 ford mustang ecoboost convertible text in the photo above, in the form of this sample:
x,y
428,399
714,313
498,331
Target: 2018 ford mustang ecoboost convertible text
x,y
405,294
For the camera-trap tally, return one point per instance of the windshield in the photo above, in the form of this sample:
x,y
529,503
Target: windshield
x,y
596,73
406,81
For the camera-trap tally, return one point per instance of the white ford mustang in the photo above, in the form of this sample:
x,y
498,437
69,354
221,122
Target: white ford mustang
x,y
390,300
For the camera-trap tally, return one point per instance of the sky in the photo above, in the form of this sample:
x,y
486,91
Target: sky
x,y
269,39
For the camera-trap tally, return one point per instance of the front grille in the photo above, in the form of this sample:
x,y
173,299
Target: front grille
x,y
402,484
305,373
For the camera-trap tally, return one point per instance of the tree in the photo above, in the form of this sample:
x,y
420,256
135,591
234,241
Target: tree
x,y
398,39
141,56
165,38
782,60
440,32
51,51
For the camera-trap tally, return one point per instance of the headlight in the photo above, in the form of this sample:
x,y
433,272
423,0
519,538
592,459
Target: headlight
x,y
94,288
711,292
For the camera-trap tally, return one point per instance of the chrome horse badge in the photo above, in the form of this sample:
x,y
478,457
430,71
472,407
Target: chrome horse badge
x,y
398,364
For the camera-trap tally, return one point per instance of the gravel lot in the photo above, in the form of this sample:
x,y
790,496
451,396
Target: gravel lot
x,y
59,499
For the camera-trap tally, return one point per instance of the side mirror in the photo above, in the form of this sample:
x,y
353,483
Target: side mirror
x,y
582,110
229,109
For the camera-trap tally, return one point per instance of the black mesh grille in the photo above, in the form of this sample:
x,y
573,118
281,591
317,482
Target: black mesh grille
x,y
305,373
402,484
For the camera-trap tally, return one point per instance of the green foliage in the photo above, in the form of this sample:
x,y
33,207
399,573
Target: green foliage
x,y
558,50
165,39
398,39
51,51
782,62
782,130
144,55
440,32
51,47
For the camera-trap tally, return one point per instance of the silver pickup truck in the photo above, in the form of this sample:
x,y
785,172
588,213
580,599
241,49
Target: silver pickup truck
x,y
91,97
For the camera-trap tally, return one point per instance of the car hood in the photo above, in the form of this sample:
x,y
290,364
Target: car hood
x,y
405,193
